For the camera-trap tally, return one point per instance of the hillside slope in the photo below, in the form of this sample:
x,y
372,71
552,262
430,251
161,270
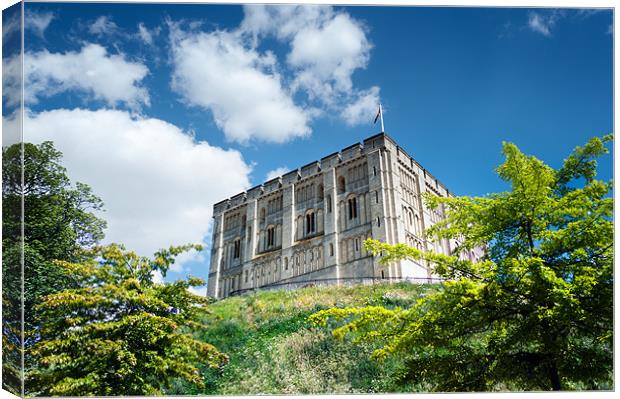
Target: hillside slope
x,y
273,348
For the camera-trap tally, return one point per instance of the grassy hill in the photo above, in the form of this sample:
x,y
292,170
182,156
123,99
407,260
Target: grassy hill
x,y
273,348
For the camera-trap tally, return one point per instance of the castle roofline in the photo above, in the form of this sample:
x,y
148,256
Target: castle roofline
x,y
343,154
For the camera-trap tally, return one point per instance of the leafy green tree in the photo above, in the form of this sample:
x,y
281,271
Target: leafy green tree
x,y
58,221
118,332
536,313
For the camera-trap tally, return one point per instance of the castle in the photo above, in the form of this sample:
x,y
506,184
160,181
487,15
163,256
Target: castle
x,y
308,226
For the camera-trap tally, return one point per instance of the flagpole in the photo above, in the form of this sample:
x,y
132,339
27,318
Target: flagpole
x,y
381,115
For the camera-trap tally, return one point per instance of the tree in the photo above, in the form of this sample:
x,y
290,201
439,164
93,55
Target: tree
x,y
536,313
118,332
58,221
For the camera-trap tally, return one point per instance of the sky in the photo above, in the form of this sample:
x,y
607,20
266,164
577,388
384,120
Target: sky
x,y
166,109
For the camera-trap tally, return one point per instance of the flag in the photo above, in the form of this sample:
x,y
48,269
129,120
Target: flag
x,y
378,115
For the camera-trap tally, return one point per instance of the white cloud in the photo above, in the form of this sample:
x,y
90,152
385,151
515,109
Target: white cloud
x,y
146,34
326,56
108,77
200,291
283,21
544,24
12,80
103,26
11,23
326,48
272,174
363,109
38,21
238,85
34,21
11,129
538,24
157,277
158,184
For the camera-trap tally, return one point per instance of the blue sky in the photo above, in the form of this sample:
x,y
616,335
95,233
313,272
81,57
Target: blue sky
x,y
234,93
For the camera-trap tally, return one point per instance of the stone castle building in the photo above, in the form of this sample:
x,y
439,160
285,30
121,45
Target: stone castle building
x,y
309,225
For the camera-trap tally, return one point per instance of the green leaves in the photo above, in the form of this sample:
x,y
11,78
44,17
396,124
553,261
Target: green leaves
x,y
117,332
536,312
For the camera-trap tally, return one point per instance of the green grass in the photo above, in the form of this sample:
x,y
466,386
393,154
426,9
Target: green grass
x,y
274,349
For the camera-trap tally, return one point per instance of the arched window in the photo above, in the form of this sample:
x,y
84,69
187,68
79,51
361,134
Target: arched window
x,y
378,221
285,263
329,204
341,184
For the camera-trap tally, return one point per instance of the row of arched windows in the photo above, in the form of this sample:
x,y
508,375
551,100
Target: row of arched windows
x,y
308,192
412,221
309,224
353,248
234,221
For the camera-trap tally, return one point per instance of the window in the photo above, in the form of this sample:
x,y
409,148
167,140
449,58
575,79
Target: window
x,y
331,249
374,171
271,237
319,193
378,221
310,223
357,244
249,233
237,249
246,276
352,208
329,204
285,263
341,184
382,274
376,197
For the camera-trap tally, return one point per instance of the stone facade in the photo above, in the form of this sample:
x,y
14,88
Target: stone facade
x,y
309,225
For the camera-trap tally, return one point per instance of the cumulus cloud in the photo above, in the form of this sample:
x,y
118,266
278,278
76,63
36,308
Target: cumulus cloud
x,y
239,85
362,109
272,174
103,26
326,48
37,21
327,55
283,21
158,183
108,77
